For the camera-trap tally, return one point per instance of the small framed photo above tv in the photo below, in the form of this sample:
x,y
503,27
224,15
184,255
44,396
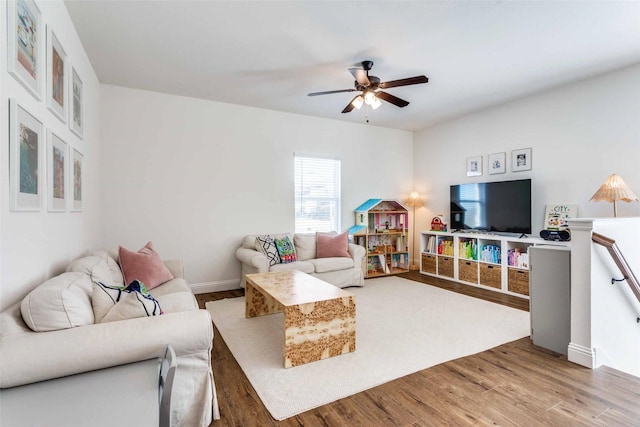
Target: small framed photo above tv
x,y
521,160
474,166
497,163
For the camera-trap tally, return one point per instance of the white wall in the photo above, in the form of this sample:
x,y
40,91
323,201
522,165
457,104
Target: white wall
x,y
579,134
37,245
195,176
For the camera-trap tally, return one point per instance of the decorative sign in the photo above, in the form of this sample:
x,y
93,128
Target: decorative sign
x,y
556,217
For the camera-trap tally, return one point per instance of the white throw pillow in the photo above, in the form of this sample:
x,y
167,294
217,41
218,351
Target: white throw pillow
x,y
112,263
96,267
121,304
103,298
305,244
61,302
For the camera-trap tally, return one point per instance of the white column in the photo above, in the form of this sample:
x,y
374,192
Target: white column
x,y
581,350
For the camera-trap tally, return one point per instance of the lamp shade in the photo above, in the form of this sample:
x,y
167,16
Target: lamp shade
x,y
358,101
414,200
614,189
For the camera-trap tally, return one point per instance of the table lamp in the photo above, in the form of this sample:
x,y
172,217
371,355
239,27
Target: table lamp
x,y
612,190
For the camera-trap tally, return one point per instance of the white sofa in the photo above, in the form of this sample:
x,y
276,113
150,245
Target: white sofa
x,y
338,271
81,345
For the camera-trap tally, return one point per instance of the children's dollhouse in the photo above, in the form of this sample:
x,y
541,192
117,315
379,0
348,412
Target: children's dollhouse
x,y
382,228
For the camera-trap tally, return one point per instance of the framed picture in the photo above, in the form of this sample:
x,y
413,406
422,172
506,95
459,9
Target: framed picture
x,y
57,161
25,164
56,68
497,163
474,166
75,103
521,160
24,35
76,183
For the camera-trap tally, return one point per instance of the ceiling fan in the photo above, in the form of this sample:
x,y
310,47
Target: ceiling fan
x,y
370,87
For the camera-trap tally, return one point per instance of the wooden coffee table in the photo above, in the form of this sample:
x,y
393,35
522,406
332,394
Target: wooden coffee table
x,y
319,318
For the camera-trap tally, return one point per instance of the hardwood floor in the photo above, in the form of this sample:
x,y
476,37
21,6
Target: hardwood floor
x,y
515,384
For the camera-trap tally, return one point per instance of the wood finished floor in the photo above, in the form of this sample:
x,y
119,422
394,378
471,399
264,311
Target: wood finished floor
x,y
515,384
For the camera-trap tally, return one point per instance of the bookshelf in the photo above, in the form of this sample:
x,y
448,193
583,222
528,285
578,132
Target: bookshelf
x,y
382,229
496,262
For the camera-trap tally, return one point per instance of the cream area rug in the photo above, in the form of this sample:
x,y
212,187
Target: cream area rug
x,y
402,326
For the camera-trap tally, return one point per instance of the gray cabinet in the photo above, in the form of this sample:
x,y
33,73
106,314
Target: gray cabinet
x,y
550,297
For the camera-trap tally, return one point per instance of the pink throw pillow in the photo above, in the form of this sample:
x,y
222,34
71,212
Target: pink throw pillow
x,y
332,245
144,265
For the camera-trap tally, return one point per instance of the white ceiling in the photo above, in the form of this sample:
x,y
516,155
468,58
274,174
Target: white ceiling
x,y
270,54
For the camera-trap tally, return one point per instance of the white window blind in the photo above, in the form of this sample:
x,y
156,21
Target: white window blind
x,y
317,194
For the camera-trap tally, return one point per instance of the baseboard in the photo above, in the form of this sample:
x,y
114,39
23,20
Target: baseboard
x,y
222,285
582,355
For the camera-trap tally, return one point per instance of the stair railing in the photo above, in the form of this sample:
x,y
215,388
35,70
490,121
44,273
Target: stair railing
x,y
621,262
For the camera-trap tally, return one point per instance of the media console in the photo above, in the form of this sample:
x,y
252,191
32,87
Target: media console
x,y
490,261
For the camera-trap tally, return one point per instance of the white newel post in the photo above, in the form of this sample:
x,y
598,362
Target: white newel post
x,y
581,350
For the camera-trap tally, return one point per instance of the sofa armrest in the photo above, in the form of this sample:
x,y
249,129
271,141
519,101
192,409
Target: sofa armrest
x,y
37,356
175,266
357,252
253,258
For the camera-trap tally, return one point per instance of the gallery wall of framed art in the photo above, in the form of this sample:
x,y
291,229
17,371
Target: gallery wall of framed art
x,y
41,151
49,142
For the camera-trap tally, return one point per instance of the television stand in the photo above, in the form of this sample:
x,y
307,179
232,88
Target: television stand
x,y
489,261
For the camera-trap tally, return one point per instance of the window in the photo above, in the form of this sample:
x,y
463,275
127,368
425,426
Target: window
x,y
317,194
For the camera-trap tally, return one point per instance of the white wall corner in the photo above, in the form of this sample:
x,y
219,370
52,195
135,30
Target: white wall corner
x,y
582,355
221,285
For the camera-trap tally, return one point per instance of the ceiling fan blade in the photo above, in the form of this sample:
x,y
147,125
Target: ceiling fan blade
x,y
330,92
350,106
404,82
360,75
392,99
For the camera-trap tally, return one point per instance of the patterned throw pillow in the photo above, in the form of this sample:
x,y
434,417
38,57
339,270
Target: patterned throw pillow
x,y
111,303
286,250
267,245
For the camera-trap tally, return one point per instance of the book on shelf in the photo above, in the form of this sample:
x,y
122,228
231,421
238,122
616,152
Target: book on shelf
x,y
431,245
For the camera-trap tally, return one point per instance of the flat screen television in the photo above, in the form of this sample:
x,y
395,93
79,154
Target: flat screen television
x,y
500,207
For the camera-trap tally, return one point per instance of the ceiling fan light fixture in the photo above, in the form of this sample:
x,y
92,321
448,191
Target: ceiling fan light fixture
x,y
369,97
357,102
376,103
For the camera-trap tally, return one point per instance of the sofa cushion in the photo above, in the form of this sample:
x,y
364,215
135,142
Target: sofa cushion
x,y
305,244
304,266
96,267
177,302
172,286
130,302
267,245
144,265
286,250
61,302
114,267
332,245
323,265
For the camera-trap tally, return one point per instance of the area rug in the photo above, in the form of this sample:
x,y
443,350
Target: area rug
x,y
402,327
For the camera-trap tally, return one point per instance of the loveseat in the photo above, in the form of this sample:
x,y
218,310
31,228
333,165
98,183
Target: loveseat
x,y
342,271
53,332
